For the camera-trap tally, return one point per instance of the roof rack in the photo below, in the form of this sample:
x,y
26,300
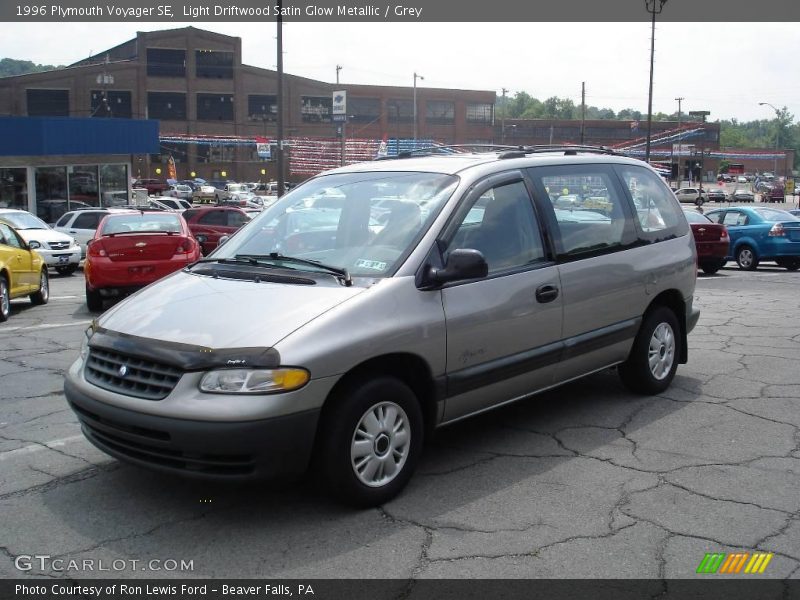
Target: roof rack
x,y
570,149
448,149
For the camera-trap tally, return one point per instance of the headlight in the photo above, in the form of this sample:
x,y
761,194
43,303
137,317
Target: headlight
x,y
253,381
87,335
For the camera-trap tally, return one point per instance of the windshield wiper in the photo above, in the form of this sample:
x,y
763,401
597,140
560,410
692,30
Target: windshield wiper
x,y
276,257
256,259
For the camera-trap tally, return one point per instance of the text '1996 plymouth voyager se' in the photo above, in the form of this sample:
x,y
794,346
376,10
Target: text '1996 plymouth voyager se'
x,y
379,301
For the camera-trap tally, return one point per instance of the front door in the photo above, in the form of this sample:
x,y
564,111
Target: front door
x,y
503,331
18,259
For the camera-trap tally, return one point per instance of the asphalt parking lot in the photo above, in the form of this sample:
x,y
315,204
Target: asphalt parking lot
x,y
590,476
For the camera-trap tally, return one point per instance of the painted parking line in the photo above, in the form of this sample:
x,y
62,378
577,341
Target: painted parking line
x,y
43,326
37,447
63,297
750,276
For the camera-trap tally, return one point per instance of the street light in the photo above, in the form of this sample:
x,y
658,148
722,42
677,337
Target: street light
x,y
650,5
416,76
777,137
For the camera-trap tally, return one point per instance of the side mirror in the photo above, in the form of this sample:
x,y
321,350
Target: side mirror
x,y
34,245
201,239
462,263
223,239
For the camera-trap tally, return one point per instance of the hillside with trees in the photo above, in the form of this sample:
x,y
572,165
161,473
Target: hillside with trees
x,y
11,66
733,133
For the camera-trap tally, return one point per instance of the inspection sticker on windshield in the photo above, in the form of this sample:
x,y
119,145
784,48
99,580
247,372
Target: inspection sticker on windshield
x,y
374,265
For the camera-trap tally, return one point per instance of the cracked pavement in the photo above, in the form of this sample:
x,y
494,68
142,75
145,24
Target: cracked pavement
x,y
586,480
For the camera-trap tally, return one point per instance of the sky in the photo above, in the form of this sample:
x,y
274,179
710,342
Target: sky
x,y
726,68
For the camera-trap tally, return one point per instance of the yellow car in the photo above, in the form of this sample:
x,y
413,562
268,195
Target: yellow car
x,y
22,271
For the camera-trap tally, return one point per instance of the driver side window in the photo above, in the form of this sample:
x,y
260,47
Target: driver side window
x,y
502,225
8,237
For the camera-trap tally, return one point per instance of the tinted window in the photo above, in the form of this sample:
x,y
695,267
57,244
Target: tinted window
x,y
215,107
141,223
62,222
236,219
696,217
213,64
214,217
166,105
48,103
88,220
501,224
164,62
773,215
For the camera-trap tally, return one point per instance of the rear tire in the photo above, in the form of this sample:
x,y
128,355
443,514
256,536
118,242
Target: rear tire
x,y
790,264
43,295
94,301
746,258
5,299
370,440
653,360
711,268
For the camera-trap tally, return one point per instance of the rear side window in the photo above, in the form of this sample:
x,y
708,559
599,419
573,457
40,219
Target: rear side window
x,y
236,219
734,217
8,237
214,217
591,214
658,212
87,220
62,222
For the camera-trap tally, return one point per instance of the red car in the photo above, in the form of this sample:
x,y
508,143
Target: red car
x,y
133,249
155,187
211,223
711,240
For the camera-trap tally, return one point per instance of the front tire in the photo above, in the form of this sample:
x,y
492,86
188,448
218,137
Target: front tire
x,y
699,201
370,441
43,295
746,258
5,299
653,360
790,264
94,301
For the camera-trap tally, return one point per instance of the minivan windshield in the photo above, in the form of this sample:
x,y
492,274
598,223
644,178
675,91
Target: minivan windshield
x,y
364,223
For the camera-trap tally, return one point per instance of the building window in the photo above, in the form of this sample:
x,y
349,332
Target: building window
x,y
113,185
364,110
179,152
48,103
51,193
163,62
211,153
213,65
400,111
14,188
440,112
262,108
166,106
111,104
316,109
215,107
83,185
480,113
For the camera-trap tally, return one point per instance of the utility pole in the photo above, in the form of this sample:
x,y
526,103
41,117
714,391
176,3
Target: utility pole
x,y
338,68
281,179
650,5
583,111
415,107
672,157
503,119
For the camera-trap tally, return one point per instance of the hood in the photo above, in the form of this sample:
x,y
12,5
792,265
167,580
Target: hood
x,y
222,313
44,235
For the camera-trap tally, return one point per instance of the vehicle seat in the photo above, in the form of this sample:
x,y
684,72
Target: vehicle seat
x,y
404,221
501,236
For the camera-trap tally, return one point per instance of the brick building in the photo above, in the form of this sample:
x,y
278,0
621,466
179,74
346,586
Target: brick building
x,y
211,107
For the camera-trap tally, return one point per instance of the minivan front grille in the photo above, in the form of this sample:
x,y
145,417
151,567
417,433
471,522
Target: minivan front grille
x,y
130,376
58,245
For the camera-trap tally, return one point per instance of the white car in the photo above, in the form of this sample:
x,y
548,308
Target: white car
x,y
170,204
82,224
58,250
180,190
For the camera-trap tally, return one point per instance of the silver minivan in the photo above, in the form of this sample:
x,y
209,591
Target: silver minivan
x,y
377,302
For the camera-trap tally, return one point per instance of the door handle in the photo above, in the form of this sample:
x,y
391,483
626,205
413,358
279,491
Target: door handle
x,y
546,293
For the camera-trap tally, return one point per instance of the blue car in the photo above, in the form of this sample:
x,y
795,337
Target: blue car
x,y
759,233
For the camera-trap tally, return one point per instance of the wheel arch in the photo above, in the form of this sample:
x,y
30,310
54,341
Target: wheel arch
x,y
673,300
409,368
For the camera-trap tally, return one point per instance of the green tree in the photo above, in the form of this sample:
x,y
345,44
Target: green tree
x,y
11,66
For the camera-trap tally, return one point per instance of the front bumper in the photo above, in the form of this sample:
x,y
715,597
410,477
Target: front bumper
x,y
267,448
60,258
